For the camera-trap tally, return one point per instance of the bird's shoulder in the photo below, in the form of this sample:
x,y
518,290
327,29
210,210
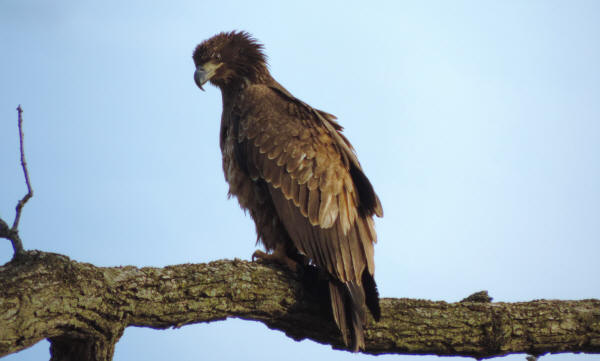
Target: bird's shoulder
x,y
271,116
273,100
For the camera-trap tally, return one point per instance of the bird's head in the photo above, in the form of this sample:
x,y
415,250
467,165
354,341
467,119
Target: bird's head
x,y
229,58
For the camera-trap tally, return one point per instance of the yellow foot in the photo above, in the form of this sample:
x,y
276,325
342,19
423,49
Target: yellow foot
x,y
276,257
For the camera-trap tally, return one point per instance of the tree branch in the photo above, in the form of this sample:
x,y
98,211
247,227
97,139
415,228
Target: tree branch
x,y
83,309
12,233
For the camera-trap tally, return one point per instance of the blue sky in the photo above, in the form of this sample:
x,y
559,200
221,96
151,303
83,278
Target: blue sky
x,y
478,122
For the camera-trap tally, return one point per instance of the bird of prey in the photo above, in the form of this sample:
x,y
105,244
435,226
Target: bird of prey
x,y
291,167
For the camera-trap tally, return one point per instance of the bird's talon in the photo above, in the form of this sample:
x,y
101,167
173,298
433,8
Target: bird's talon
x,y
259,256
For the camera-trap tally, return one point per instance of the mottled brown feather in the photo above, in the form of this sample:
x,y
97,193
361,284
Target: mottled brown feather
x,y
338,309
275,152
304,174
313,206
303,201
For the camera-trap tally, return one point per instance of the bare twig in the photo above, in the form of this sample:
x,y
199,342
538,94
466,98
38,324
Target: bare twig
x,y
12,233
25,172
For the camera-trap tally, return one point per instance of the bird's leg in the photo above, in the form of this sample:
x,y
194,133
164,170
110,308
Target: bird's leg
x,y
278,256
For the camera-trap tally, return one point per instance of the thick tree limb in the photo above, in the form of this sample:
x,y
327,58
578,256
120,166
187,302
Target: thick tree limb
x,y
83,310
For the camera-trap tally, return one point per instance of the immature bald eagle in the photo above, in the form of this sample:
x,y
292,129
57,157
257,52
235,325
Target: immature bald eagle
x,y
292,168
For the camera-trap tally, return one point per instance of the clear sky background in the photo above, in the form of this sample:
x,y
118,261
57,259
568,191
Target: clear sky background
x,y
478,123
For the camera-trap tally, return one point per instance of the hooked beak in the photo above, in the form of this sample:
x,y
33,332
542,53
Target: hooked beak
x,y
204,73
200,77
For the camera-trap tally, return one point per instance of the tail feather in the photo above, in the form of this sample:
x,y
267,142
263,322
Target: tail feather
x,y
349,302
372,294
358,314
338,308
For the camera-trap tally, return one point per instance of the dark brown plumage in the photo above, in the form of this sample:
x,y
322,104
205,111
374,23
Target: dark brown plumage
x,y
292,168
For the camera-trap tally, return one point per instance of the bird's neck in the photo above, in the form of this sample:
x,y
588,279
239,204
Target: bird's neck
x,y
237,85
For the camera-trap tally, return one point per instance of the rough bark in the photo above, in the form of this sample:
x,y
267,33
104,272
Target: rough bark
x,y
83,309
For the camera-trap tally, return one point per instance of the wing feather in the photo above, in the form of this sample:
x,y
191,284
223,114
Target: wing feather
x,y
328,251
251,131
308,167
262,139
286,186
339,265
275,152
362,230
355,245
343,213
295,161
328,211
283,158
313,206
295,187
269,171
277,175
346,260
303,200
304,174
313,182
